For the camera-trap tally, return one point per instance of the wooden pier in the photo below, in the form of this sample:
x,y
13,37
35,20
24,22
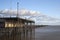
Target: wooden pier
x,y
18,33
16,28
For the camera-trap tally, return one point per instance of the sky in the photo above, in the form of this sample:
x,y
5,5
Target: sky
x,y
50,8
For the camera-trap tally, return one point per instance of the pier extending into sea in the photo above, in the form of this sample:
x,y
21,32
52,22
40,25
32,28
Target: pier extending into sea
x,y
18,33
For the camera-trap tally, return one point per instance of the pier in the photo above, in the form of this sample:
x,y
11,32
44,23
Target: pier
x,y
15,28
17,33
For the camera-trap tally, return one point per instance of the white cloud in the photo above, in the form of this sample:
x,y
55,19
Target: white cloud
x,y
21,12
29,14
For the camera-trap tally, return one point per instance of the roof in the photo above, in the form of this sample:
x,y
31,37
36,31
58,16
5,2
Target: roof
x,y
16,18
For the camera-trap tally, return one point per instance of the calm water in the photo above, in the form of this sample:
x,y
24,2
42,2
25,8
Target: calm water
x,y
47,33
42,33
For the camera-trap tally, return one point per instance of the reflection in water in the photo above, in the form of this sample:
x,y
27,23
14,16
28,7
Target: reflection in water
x,y
17,33
42,33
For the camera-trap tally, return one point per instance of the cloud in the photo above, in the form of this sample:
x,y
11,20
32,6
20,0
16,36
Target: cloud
x,y
22,12
37,16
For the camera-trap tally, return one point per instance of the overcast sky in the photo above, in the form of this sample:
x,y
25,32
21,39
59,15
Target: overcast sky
x,y
49,8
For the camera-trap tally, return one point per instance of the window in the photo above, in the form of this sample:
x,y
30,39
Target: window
x,y
9,24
